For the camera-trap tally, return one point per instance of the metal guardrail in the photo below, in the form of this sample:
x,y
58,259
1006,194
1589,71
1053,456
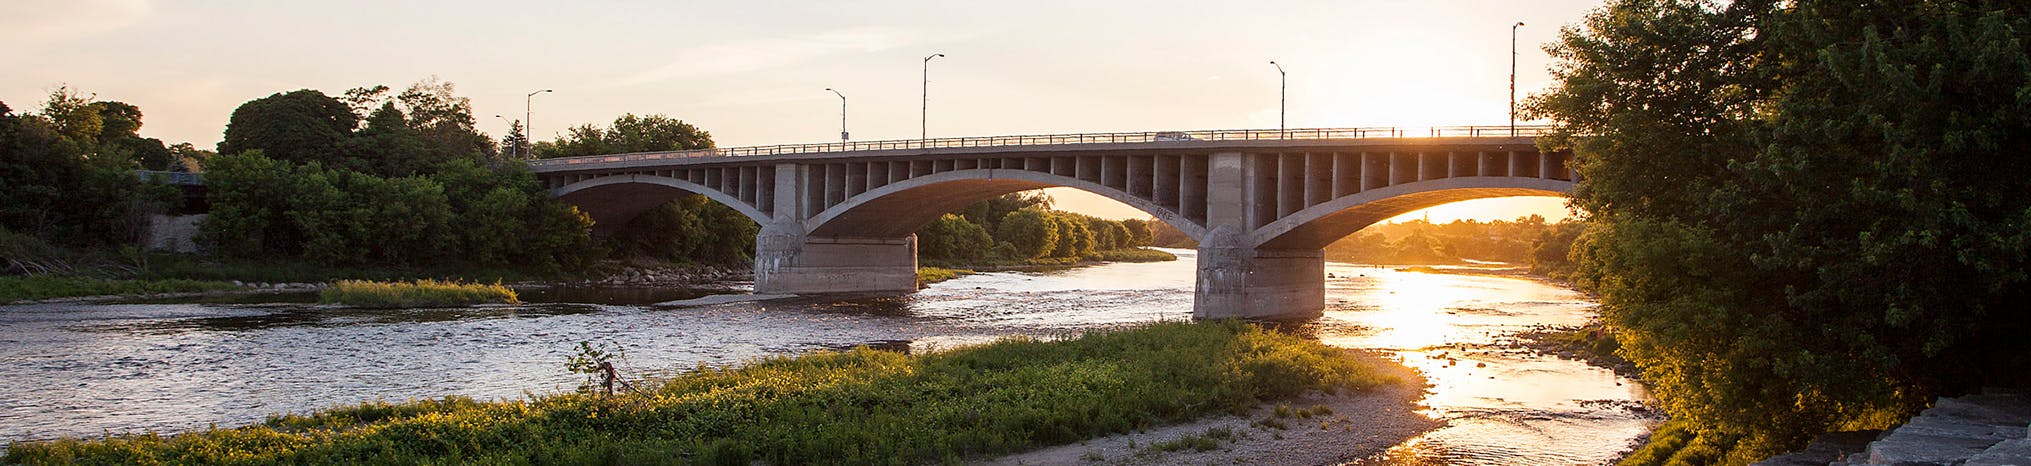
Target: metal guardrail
x,y
175,178
1056,139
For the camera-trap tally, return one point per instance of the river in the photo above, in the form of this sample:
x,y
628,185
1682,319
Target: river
x,y
87,369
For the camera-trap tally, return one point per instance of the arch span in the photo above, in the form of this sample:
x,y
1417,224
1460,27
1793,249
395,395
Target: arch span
x,y
899,209
1313,228
613,200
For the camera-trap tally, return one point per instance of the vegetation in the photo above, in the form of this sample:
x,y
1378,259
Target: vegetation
x,y
856,407
1021,229
45,286
1421,242
929,275
687,229
419,293
1806,216
66,173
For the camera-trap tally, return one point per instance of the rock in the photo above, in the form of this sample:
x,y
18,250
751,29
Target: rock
x,y
2010,452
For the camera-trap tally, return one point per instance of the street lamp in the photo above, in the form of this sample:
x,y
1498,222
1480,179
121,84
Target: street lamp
x,y
1282,97
842,114
528,126
511,131
924,114
1512,78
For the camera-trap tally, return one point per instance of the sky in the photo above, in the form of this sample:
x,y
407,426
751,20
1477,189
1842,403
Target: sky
x,y
754,72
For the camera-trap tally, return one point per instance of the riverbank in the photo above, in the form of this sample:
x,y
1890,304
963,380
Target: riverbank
x,y
1316,428
859,406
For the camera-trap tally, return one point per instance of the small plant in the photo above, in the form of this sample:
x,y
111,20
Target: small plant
x,y
597,363
413,294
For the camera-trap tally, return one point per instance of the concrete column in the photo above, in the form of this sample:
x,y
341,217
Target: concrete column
x,y
789,261
1236,280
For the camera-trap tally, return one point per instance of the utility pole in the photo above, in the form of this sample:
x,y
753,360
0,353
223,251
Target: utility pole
x,y
1512,78
924,114
842,114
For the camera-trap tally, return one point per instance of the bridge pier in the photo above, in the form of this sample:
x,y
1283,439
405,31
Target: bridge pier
x,y
789,261
1240,282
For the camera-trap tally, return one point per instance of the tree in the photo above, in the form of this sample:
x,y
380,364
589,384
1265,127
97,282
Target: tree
x,y
1139,233
1032,232
296,126
1786,195
952,239
629,133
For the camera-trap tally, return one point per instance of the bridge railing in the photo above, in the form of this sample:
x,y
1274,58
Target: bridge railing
x,y
1056,139
168,177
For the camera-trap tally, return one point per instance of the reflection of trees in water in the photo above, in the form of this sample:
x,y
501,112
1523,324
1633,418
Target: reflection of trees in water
x,y
284,317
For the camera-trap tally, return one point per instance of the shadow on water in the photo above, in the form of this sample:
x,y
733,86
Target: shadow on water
x,y
281,297
612,296
337,317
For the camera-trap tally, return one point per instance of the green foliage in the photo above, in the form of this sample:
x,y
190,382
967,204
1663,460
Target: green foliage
x,y
299,126
857,407
951,238
66,174
629,133
1420,242
44,286
419,293
1031,231
596,362
1806,214
929,275
691,228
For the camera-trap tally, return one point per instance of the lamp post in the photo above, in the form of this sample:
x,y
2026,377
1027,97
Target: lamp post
x,y
924,114
511,131
842,114
1512,78
528,127
1282,97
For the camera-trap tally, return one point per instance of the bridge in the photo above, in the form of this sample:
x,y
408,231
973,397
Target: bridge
x,y
1263,204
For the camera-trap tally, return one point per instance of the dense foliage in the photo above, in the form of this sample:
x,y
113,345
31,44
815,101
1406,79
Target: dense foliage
x,y
1022,228
414,185
1807,215
857,407
66,173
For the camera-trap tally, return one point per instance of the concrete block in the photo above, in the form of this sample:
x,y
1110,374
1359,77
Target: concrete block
x,y
2007,453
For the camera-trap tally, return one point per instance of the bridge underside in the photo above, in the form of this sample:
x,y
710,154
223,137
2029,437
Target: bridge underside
x,y
1262,217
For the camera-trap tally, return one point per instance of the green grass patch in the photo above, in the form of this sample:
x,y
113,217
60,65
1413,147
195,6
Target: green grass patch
x,y
855,407
1678,442
42,286
1133,255
929,275
414,294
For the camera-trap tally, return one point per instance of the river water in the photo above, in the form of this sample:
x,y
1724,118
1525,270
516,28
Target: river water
x,y
89,369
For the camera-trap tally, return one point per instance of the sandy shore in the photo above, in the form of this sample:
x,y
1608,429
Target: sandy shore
x,y
1350,426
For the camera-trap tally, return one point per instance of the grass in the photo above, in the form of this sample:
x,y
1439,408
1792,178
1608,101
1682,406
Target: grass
x,y
929,275
1133,255
854,407
414,294
43,286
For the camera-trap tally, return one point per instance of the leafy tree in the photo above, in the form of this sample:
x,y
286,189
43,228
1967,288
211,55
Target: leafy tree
x,y
629,133
951,238
1803,213
297,126
1139,232
1032,232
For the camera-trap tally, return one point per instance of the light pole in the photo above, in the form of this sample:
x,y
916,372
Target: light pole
x,y
1512,78
924,114
528,127
511,132
842,114
1282,97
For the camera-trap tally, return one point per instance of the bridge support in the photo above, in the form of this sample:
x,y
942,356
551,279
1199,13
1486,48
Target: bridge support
x,y
1237,279
788,261
1241,282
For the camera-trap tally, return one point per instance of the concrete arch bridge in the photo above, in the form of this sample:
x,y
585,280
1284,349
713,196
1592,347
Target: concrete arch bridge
x,y
1263,204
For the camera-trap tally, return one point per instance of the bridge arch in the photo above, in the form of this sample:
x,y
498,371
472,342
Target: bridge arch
x,y
1315,227
899,209
613,200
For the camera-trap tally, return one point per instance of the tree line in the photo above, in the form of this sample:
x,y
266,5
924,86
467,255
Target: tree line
x,y
1805,215
1528,240
1021,228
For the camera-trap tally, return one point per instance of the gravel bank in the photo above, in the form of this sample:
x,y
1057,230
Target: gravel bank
x,y
1314,429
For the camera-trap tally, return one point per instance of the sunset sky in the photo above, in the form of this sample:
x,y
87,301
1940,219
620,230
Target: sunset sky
x,y
754,72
